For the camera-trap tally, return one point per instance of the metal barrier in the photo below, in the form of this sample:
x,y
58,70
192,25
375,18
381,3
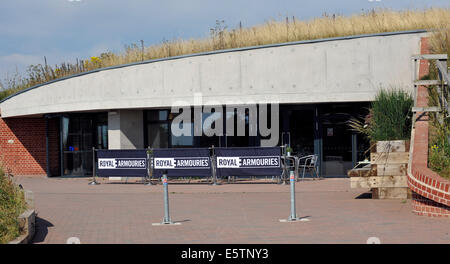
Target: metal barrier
x,y
120,163
208,162
213,163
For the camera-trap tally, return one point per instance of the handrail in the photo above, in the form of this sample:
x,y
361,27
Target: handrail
x,y
411,151
444,81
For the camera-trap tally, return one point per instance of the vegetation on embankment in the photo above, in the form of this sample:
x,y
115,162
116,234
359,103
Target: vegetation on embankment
x,y
439,151
271,32
12,204
439,130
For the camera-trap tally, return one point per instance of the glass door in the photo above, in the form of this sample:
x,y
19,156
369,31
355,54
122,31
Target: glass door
x,y
80,133
337,145
341,148
77,142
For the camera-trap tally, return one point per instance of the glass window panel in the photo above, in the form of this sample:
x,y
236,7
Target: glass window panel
x,y
152,115
302,131
158,135
184,140
99,137
72,164
65,128
204,140
163,115
210,121
105,136
157,115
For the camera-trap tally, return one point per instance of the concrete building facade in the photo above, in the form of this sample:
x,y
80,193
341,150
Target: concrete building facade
x,y
50,129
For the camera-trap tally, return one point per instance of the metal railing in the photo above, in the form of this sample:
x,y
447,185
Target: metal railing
x,y
442,85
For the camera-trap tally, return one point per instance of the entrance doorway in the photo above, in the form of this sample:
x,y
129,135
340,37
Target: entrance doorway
x,y
322,129
79,134
341,147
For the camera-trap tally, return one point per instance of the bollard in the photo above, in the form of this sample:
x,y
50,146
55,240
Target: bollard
x,y
166,219
293,217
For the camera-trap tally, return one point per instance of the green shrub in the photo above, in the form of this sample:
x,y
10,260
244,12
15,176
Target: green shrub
x,y
12,204
391,115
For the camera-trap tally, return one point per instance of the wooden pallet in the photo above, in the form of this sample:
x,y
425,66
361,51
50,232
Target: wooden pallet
x,y
387,175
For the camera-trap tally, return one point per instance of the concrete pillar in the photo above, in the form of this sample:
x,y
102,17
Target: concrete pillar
x,y
125,129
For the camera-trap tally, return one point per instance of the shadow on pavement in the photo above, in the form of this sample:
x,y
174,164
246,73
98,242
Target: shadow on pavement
x,y
42,226
182,221
367,195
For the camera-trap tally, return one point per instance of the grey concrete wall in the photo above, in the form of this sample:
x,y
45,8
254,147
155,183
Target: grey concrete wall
x,y
125,129
330,71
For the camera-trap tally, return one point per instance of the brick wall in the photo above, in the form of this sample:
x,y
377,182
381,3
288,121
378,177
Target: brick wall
x,y
22,146
431,194
427,207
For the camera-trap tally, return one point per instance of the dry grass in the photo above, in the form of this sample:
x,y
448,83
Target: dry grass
x,y
440,41
436,19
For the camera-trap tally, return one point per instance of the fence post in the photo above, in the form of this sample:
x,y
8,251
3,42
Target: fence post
x,y
94,167
213,166
149,167
285,166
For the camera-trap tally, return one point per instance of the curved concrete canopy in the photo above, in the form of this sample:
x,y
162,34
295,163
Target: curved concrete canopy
x,y
328,70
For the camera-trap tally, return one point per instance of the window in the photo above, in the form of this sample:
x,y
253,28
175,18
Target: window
x,y
157,128
157,135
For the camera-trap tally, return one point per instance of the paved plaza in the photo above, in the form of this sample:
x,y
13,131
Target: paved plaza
x,y
228,213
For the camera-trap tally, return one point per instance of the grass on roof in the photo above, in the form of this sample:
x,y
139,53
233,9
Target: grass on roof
x,y
271,32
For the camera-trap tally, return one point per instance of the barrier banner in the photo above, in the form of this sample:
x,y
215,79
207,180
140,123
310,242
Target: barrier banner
x,y
185,162
250,161
122,163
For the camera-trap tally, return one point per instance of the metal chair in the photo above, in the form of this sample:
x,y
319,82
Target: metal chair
x,y
287,163
309,163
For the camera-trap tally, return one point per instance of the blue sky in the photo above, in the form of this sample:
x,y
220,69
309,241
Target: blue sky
x,y
63,30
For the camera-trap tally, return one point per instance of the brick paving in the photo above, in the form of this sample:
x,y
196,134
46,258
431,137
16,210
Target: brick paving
x,y
228,213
